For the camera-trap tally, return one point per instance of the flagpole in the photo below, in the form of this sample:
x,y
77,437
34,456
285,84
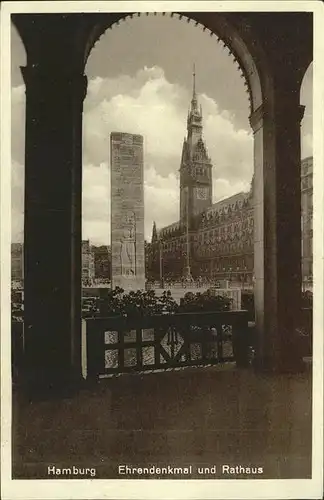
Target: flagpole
x,y
188,271
161,265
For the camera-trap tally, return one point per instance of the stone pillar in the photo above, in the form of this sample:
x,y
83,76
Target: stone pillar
x,y
52,231
256,121
127,211
277,229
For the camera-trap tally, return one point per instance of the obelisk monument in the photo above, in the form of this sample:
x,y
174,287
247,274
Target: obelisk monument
x,y
127,211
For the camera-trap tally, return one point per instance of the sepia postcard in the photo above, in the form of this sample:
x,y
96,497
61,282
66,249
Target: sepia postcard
x,y
162,245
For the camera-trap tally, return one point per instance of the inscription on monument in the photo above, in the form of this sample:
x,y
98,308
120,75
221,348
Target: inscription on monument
x,y
127,246
127,211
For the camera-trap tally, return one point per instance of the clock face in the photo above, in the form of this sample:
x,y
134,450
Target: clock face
x,y
202,193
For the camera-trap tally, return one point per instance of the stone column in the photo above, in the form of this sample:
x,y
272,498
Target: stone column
x,y
127,211
277,229
256,120
52,231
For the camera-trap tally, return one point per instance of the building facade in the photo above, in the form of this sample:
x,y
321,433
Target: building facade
x,y
219,244
307,218
102,262
215,240
17,262
88,266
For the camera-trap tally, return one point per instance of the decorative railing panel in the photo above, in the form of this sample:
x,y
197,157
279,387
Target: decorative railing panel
x,y
121,345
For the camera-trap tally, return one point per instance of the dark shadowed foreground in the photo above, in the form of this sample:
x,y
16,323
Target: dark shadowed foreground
x,y
195,416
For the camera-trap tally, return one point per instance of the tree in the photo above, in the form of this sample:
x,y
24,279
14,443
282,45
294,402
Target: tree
x,y
139,303
204,302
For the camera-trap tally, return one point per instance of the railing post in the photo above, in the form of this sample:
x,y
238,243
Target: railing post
x,y
240,342
95,351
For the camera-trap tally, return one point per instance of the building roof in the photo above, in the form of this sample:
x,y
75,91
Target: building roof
x,y
170,227
237,198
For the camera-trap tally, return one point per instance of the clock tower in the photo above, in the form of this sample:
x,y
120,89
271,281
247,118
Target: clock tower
x,y
195,167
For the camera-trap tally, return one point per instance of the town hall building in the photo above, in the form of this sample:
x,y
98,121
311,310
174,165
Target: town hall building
x,y
211,240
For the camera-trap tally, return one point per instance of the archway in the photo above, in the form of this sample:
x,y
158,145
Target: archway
x,y
306,99
219,27
258,79
117,90
275,119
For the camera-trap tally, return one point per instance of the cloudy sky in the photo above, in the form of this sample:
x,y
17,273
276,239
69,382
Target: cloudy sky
x,y
140,81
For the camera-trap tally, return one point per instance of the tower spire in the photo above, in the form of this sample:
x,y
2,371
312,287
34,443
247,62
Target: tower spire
x,y
194,81
154,233
194,109
194,95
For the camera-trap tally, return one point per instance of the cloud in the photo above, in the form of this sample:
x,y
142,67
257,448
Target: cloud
x,y
148,104
306,145
96,203
222,188
18,100
17,201
230,149
161,199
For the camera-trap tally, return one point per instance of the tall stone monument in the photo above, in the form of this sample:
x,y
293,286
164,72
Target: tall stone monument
x,y
127,211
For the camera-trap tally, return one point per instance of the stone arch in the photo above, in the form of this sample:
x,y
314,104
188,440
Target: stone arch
x,y
243,47
305,70
57,49
304,75
17,38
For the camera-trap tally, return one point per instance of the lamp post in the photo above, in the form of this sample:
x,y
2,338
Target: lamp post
x,y
187,274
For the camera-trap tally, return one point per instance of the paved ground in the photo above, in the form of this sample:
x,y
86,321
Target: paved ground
x,y
198,417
